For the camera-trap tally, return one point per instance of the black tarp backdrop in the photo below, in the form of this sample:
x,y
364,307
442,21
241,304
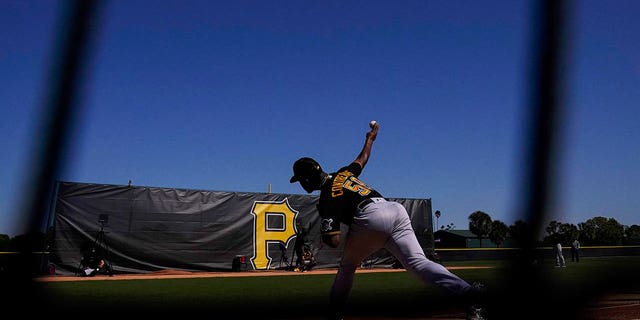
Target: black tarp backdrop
x,y
152,228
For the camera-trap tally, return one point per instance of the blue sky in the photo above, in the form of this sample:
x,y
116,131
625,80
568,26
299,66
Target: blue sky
x,y
226,95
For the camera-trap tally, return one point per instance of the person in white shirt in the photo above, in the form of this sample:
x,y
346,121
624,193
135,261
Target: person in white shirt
x,y
559,256
575,251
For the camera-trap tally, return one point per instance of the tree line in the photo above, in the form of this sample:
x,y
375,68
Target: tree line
x,y
37,241
597,231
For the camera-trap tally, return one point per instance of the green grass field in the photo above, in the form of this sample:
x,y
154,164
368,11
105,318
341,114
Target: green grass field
x,y
306,296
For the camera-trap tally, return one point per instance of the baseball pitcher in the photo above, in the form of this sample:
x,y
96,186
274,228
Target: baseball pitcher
x,y
373,221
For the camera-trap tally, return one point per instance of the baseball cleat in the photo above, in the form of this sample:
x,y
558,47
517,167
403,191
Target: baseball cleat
x,y
476,313
476,296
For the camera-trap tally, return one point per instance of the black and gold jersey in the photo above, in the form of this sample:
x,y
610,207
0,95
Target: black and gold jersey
x,y
340,196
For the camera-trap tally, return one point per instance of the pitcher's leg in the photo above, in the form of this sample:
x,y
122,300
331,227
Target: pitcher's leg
x,y
405,247
360,243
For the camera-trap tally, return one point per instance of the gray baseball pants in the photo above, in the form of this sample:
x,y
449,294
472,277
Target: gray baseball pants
x,y
386,224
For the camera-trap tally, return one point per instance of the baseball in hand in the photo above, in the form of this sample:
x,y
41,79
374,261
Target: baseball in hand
x,y
372,124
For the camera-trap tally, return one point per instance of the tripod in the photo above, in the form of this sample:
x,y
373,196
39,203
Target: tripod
x,y
283,257
97,260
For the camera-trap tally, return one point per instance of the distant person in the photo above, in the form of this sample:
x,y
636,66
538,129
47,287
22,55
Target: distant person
x,y
298,247
559,257
575,251
93,268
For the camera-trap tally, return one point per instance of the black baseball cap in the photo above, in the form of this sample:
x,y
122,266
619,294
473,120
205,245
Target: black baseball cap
x,y
304,168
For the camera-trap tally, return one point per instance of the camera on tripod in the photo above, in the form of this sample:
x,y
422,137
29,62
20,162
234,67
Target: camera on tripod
x,y
96,260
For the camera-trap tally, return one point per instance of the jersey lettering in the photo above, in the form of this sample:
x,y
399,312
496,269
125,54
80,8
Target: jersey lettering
x,y
356,185
346,180
336,186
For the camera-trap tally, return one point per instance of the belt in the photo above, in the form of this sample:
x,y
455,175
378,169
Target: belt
x,y
368,201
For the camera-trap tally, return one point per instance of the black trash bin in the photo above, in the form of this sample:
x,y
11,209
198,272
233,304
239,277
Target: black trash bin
x,y
239,263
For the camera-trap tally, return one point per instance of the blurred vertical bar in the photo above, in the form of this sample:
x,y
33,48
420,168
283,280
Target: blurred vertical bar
x,y
546,109
61,99
528,293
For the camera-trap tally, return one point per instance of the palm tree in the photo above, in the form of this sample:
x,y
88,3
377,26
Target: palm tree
x,y
480,224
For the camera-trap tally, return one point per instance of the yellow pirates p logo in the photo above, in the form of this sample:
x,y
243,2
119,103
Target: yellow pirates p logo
x,y
272,222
